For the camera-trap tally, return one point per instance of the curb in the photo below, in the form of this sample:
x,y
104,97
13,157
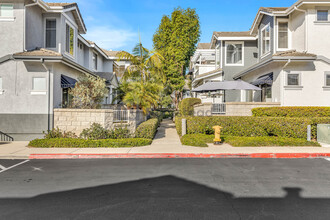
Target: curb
x,y
179,155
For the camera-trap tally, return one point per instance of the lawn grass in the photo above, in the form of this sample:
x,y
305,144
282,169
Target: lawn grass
x,y
201,140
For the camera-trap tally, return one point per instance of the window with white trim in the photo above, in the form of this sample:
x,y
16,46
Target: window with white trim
x,y
322,15
39,84
50,33
234,53
6,10
265,40
69,47
283,35
327,79
95,61
293,79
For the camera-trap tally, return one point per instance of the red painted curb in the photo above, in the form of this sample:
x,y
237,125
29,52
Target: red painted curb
x,y
166,155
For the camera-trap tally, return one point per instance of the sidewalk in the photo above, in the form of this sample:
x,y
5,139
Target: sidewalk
x,y
165,145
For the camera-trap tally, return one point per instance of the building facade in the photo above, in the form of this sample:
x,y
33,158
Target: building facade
x,y
42,55
285,53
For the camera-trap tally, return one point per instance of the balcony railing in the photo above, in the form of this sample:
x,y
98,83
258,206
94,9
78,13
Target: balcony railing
x,y
219,108
5,137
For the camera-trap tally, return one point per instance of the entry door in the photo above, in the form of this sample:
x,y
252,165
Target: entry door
x,y
266,93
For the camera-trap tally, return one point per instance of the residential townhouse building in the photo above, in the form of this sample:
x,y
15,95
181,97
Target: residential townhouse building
x,y
285,53
42,55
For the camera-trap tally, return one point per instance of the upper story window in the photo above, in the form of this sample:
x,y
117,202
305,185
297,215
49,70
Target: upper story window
x,y
50,33
69,47
322,15
265,40
6,10
234,53
95,61
293,79
327,79
283,35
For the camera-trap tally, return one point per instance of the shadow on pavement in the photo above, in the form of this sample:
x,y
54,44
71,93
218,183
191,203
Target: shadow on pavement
x,y
166,197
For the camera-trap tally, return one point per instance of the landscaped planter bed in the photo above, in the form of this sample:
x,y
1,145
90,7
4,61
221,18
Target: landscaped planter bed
x,y
81,143
201,140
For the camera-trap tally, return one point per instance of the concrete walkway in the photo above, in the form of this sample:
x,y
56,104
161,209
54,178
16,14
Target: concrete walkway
x,y
166,141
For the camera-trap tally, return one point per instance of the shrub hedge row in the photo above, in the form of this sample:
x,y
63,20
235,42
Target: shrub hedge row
x,y
201,140
292,112
81,143
187,106
147,129
252,126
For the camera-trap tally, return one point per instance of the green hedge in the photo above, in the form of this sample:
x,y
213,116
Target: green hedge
x,y
187,106
292,112
247,126
81,143
197,140
269,141
201,140
147,129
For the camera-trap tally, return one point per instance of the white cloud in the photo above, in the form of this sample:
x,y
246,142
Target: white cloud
x,y
111,38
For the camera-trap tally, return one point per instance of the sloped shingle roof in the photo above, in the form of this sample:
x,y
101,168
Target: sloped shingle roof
x,y
272,9
233,34
42,52
51,4
203,46
293,53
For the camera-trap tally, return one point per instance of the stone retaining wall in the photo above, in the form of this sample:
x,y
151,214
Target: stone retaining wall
x,y
76,120
233,108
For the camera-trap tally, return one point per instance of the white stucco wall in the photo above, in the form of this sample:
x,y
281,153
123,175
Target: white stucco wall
x,y
312,92
317,34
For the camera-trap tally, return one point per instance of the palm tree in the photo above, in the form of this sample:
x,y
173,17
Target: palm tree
x,y
143,79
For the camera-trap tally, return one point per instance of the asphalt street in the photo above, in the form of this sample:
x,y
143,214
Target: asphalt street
x,y
165,189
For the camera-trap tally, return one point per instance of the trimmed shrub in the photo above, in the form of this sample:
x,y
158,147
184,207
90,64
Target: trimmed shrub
x,y
292,112
187,106
95,132
247,126
197,140
269,141
201,140
119,133
147,129
57,133
81,143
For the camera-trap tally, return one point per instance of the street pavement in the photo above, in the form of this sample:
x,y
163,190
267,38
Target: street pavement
x,y
165,189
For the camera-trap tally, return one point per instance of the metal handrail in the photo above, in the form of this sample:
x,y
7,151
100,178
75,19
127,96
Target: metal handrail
x,y
5,137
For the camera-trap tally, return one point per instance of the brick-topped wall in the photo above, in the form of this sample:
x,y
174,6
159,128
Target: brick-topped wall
x,y
76,120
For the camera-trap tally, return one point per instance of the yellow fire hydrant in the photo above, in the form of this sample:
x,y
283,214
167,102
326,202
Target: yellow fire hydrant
x,y
217,131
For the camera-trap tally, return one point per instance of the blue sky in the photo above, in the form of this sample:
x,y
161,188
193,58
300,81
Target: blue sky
x,y
115,24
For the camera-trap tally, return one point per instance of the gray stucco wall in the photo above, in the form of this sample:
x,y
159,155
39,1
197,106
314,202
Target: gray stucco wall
x,y
34,28
250,58
12,34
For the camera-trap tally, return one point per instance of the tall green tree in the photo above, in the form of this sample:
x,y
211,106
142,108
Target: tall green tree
x,y
176,39
143,79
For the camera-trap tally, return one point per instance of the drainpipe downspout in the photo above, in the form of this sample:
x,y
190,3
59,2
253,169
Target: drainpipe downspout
x,y
283,80
48,71
306,26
